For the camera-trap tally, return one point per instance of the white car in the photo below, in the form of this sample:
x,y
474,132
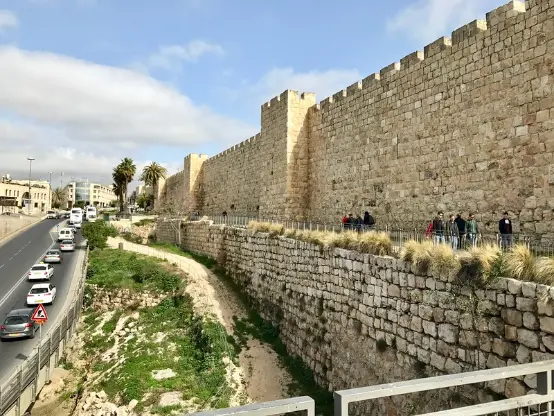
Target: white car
x,y
67,245
41,271
77,224
66,234
41,293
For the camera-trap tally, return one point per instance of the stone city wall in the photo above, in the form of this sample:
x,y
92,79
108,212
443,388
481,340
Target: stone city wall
x,y
359,319
465,125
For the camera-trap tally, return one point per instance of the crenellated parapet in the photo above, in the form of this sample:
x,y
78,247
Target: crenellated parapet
x,y
459,41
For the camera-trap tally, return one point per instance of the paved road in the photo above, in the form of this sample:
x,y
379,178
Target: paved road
x,y
16,258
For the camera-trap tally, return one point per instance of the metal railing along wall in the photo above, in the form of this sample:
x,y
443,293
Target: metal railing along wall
x,y
398,235
28,374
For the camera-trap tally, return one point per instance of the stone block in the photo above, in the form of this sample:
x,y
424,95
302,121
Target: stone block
x,y
547,324
448,333
528,338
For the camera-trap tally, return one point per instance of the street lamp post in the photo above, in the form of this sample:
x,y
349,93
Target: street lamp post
x,y
50,190
30,159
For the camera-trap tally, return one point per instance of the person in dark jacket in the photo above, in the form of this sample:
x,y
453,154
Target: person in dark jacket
x,y
461,223
453,232
369,221
438,228
505,230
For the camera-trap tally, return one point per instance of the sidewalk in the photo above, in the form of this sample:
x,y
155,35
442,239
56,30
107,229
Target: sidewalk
x,y
211,296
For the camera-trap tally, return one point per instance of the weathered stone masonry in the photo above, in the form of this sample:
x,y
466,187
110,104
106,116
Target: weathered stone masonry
x,y
338,309
464,125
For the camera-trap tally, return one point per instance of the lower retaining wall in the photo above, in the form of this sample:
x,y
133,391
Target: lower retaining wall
x,y
107,299
358,319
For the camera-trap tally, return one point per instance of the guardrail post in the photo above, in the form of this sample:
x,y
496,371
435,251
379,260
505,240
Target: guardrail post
x,y
545,382
340,405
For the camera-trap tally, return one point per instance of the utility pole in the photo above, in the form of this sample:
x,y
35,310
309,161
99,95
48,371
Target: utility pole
x,y
30,159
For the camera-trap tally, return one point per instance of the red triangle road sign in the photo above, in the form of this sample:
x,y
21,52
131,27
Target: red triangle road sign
x,y
40,315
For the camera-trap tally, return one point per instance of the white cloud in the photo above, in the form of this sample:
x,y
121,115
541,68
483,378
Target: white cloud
x,y
277,80
8,20
76,116
428,20
172,57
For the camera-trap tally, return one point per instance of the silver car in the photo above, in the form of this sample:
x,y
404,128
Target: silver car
x,y
67,245
53,256
18,324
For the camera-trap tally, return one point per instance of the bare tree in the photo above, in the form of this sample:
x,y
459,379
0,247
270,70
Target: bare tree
x,y
173,209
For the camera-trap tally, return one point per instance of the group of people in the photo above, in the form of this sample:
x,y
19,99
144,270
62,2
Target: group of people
x,y
459,232
349,222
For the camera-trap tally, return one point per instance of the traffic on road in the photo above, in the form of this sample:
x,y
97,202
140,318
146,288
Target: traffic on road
x,y
35,280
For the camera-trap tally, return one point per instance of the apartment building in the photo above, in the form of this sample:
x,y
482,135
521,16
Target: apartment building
x,y
14,195
89,193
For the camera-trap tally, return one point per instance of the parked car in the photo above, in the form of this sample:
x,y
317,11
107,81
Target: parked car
x,y
41,272
18,324
67,245
53,256
41,293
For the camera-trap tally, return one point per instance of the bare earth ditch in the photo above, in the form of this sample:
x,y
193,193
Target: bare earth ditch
x,y
154,339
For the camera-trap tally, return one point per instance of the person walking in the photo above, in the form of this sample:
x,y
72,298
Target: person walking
x,y
438,228
453,232
369,221
461,223
472,229
505,230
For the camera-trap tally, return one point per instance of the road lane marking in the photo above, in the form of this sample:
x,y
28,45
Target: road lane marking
x,y
23,278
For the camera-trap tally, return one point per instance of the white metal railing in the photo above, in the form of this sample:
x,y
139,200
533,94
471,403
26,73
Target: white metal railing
x,y
399,235
536,404
28,373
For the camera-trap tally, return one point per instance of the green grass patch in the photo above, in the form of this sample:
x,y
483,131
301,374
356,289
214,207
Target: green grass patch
x,y
91,318
193,348
257,327
98,344
172,248
112,268
109,326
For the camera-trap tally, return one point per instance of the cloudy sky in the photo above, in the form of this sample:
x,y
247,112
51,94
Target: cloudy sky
x,y
84,83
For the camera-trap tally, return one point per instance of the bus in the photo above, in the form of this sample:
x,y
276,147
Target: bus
x,y
76,216
90,213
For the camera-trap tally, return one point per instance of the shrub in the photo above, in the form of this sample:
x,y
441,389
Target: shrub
x,y
443,260
347,240
378,243
520,263
266,227
132,237
409,249
544,270
481,263
421,257
97,233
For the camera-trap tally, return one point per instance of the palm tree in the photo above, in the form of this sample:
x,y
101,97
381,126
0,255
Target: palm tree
x,y
123,174
58,197
119,186
151,175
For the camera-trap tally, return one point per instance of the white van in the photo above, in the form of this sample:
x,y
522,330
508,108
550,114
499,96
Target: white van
x,y
66,234
90,213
